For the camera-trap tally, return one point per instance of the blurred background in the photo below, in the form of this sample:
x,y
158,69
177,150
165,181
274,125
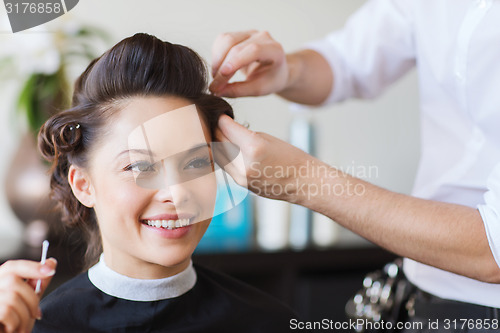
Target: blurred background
x,y
302,258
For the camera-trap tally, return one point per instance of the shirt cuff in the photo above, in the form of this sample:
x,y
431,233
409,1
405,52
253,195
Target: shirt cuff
x,y
490,213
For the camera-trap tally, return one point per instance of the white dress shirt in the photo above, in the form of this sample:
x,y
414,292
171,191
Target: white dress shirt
x,y
455,45
490,212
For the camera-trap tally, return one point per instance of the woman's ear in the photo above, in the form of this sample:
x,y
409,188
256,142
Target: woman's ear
x,y
81,186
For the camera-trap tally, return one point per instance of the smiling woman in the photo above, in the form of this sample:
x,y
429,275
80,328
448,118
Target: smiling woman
x,y
132,167
116,93
113,185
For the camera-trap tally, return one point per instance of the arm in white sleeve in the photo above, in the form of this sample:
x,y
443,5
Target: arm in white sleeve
x,y
490,213
374,49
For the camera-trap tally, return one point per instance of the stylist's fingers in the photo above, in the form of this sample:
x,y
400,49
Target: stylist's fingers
x,y
229,157
257,49
236,133
219,136
263,152
254,147
248,141
258,60
263,61
223,43
254,87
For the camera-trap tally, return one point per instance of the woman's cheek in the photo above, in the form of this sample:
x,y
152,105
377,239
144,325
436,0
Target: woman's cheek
x,y
205,193
196,196
125,198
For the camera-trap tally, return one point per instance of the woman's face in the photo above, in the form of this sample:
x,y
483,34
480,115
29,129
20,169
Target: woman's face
x,y
149,177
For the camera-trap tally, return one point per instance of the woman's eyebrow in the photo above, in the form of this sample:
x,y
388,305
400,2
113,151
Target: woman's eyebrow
x,y
196,147
149,153
138,151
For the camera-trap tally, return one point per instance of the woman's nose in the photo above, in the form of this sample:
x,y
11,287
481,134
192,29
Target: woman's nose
x,y
164,195
172,189
177,195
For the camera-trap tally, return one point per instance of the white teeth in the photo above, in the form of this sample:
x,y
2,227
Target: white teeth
x,y
168,224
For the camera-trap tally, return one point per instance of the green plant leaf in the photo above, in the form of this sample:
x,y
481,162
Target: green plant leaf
x,y
43,95
25,94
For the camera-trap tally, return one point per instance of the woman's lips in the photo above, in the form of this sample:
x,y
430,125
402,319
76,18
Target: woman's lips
x,y
169,217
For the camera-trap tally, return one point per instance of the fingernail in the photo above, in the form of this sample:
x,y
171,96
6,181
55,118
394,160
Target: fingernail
x,y
39,314
226,68
45,270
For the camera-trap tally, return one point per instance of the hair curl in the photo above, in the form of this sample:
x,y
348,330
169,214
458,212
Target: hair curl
x,y
141,65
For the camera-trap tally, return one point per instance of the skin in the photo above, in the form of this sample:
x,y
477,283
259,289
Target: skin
x,y
447,236
19,305
120,204
303,77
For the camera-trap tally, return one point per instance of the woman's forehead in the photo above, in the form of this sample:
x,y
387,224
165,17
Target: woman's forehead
x,y
168,133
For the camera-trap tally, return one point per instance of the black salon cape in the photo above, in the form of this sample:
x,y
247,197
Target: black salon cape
x,y
216,303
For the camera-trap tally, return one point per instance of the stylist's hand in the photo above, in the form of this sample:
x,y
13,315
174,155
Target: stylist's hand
x,y
18,300
271,165
257,55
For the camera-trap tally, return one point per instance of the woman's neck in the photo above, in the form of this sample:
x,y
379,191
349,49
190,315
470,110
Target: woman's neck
x,y
139,269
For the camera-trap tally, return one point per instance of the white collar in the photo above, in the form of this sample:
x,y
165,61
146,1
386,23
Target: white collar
x,y
121,286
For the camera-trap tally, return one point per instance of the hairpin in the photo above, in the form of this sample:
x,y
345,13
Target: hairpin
x,y
75,127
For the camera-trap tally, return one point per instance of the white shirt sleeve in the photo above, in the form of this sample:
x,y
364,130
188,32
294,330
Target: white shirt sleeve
x,y
374,49
490,212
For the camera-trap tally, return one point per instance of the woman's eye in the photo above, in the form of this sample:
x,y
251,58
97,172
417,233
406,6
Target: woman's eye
x,y
198,163
141,167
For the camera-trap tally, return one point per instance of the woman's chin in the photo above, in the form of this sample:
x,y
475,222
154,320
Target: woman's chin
x,y
171,249
171,256
174,263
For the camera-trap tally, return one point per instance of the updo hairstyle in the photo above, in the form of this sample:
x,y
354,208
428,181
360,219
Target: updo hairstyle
x,y
138,66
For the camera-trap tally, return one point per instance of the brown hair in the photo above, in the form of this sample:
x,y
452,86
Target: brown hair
x,y
141,65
